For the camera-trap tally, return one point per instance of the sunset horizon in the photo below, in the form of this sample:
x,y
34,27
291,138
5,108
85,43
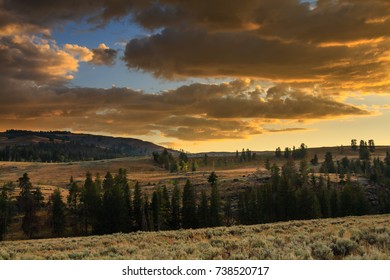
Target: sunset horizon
x,y
228,75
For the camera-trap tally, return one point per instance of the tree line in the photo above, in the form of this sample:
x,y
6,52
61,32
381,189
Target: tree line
x,y
293,153
56,152
294,194
110,205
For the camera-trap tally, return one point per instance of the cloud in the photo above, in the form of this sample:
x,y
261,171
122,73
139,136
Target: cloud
x,y
34,59
339,44
103,55
193,113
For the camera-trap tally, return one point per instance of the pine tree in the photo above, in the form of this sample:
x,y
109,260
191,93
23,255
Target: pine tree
x,y
204,210
215,201
108,182
354,145
334,203
157,209
29,205
138,207
90,203
278,152
73,200
57,213
175,208
314,160
122,183
308,205
328,165
228,212
165,208
189,206
5,213
113,212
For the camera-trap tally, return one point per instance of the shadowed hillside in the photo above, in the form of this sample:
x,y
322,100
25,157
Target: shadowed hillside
x,y
64,146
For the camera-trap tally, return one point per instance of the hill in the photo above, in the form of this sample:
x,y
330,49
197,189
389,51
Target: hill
x,y
366,237
64,146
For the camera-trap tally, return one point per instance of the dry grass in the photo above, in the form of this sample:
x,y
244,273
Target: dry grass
x,y
365,237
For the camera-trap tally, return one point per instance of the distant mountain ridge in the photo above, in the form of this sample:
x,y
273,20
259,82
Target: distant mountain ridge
x,y
63,146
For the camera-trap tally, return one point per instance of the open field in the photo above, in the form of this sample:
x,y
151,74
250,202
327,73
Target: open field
x,y
143,169
366,237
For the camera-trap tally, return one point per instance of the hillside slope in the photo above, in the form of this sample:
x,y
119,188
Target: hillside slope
x,y
366,237
64,146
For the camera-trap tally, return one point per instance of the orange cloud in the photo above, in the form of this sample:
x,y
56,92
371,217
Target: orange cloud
x,y
195,112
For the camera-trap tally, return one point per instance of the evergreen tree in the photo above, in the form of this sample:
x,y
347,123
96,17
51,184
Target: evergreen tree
x,y
243,155
213,178
364,153
165,208
308,205
278,152
29,205
328,165
215,201
90,203
122,183
248,155
175,207
189,206
108,182
57,213
314,160
5,212
371,145
323,196
228,212
138,207
113,212
204,210
334,203
354,145
287,153
73,200
156,210
243,214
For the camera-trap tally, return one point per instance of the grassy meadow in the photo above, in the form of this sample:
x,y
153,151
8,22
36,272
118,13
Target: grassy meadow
x,y
366,237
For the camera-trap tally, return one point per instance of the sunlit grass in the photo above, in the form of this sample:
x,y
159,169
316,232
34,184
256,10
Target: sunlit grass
x,y
365,237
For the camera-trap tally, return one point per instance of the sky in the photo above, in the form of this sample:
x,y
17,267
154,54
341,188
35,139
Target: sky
x,y
199,75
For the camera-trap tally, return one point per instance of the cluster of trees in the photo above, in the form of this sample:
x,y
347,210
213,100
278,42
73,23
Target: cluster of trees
x,y
7,209
377,170
167,160
364,148
246,155
292,194
109,205
293,153
56,152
